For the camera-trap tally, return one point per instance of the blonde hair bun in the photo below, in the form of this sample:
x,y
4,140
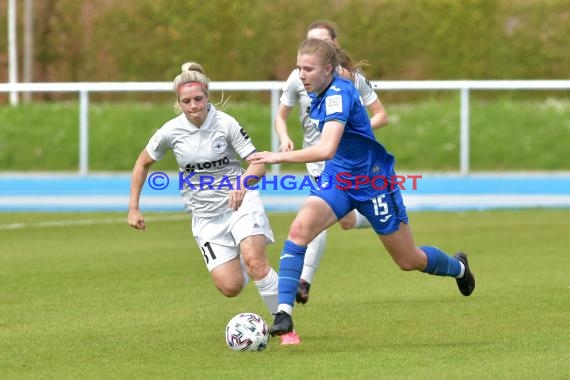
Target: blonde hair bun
x,y
192,66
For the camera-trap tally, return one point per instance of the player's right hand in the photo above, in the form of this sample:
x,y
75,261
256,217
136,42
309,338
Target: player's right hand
x,y
236,198
136,219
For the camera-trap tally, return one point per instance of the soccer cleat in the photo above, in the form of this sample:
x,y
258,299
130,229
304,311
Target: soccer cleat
x,y
302,296
291,338
466,284
282,324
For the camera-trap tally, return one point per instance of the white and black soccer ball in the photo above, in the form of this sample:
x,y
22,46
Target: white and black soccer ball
x,y
247,332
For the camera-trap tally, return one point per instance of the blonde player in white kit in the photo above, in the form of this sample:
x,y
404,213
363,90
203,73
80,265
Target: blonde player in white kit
x,y
229,222
293,93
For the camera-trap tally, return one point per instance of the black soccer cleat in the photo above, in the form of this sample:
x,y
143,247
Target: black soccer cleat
x,y
466,284
302,296
282,324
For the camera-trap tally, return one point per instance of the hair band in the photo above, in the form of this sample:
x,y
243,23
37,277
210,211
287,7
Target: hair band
x,y
190,84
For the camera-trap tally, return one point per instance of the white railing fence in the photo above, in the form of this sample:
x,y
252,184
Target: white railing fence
x,y
274,87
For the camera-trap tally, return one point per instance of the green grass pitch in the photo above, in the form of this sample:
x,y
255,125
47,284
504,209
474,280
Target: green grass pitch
x,y
84,296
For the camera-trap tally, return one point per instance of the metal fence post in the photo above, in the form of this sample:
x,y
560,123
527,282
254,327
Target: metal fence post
x,y
83,132
464,132
275,169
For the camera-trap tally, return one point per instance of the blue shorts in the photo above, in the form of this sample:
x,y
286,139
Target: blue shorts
x,y
384,211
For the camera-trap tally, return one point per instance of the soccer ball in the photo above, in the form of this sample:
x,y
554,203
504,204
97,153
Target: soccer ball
x,y
247,332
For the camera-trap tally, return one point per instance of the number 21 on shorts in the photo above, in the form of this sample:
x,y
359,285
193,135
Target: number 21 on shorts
x,y
208,252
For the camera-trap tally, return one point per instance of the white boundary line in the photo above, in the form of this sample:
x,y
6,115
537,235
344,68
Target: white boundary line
x,y
442,200
88,222
448,202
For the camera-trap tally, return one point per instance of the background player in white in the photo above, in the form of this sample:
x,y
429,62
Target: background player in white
x,y
293,93
229,223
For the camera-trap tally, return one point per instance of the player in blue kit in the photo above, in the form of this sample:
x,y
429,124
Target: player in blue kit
x,y
350,149
294,93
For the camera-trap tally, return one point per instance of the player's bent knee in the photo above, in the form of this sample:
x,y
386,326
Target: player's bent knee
x,y
298,233
230,291
230,286
348,221
346,225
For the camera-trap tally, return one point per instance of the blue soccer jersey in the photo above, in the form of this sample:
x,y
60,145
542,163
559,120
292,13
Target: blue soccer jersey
x,y
359,155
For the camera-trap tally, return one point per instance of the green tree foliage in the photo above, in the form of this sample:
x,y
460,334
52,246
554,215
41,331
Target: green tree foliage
x,y
147,40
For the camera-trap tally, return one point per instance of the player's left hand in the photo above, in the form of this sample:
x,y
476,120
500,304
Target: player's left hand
x,y
264,158
236,198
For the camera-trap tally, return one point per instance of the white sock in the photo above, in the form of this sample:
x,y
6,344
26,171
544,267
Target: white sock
x,y
286,308
462,272
267,288
361,221
315,250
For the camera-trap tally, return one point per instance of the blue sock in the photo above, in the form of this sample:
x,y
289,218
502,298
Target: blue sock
x,y
439,263
290,268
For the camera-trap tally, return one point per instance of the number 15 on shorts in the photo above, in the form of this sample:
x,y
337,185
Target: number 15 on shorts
x,y
381,208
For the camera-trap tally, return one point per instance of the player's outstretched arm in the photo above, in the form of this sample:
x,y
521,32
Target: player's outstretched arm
x,y
140,172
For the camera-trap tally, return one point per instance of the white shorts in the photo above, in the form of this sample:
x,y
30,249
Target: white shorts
x,y
219,236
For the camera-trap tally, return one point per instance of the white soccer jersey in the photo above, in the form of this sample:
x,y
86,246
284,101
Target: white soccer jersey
x,y
294,92
207,158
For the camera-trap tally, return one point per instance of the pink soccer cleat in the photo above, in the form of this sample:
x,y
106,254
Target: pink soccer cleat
x,y
290,339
